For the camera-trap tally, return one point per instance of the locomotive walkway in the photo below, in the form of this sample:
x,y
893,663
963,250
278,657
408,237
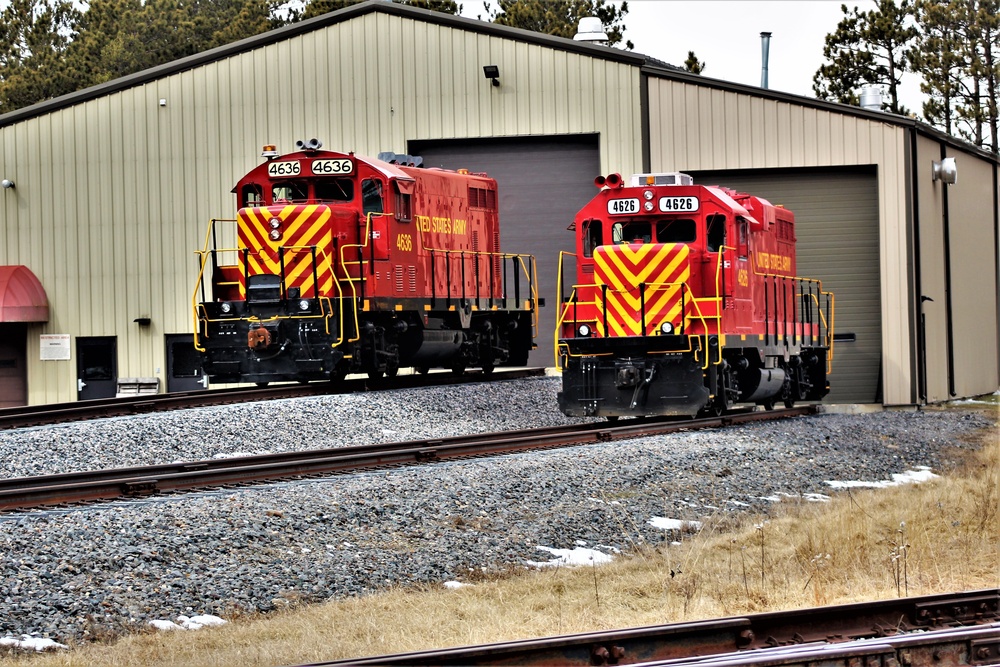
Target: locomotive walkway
x,y
938,630
102,485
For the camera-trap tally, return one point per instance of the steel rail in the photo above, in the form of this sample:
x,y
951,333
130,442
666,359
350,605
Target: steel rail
x,y
96,485
55,413
817,636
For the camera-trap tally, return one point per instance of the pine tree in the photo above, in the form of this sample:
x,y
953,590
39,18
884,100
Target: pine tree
x,y
693,65
867,48
561,17
318,7
956,56
33,39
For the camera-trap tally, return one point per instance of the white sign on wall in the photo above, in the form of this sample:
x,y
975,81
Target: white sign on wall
x,y
54,347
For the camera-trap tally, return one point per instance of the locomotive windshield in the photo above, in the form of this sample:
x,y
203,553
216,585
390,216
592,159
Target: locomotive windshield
x,y
334,189
668,230
290,191
683,230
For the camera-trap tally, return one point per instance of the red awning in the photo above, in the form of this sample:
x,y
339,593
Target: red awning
x,y
22,297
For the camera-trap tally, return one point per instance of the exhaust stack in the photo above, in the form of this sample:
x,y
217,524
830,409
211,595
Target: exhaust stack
x,y
765,47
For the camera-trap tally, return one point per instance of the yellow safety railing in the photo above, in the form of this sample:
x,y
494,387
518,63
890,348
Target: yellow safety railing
x,y
201,315
826,327
685,317
531,274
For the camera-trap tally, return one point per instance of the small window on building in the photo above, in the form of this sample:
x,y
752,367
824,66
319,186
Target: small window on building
x,y
334,189
287,192
683,230
252,195
716,237
631,231
371,196
404,208
593,236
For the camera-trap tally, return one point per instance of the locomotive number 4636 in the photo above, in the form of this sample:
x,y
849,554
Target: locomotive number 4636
x,y
325,167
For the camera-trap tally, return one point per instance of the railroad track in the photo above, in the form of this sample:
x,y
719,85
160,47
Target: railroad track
x,y
934,630
55,413
18,494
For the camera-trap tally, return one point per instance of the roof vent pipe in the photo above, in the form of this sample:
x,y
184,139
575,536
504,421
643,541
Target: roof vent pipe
x,y
591,30
871,98
765,47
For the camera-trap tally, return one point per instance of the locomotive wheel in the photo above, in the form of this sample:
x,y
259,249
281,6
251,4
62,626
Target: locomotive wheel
x,y
458,369
612,418
768,404
488,369
339,373
422,370
789,402
391,371
375,375
262,384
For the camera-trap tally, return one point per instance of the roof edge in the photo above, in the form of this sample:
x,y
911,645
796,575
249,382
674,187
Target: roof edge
x,y
655,69
294,29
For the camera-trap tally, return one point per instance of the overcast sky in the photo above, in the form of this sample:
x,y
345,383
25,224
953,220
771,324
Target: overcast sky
x,y
725,35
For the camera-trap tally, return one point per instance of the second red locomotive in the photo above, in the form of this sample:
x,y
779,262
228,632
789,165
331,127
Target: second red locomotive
x,y
687,300
340,264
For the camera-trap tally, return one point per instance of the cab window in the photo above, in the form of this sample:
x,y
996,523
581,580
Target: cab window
x,y
371,196
681,230
252,195
593,236
741,228
716,237
334,189
631,231
403,208
289,191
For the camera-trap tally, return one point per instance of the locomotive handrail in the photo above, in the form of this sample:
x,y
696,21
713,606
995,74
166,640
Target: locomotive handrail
x,y
530,273
827,326
199,283
361,272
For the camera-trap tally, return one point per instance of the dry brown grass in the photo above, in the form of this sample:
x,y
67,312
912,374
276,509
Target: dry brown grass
x,y
940,536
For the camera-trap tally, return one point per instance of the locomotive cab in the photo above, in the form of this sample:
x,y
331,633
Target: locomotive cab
x,y
686,300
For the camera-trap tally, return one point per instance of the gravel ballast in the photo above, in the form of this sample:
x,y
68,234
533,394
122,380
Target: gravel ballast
x,y
83,573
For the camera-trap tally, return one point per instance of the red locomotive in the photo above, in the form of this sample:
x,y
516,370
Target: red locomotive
x,y
341,264
687,302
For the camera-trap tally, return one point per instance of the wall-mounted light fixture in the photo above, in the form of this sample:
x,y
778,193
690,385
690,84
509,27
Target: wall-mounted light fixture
x,y
945,171
163,101
492,72
142,321
7,184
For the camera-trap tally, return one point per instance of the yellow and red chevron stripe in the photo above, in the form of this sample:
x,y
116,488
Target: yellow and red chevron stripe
x,y
301,227
662,267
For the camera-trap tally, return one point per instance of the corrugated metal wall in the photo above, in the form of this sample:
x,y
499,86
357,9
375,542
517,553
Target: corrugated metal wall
x,y
971,226
836,224
113,195
697,128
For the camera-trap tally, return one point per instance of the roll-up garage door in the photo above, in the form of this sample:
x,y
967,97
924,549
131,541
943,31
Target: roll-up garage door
x,y
836,221
543,182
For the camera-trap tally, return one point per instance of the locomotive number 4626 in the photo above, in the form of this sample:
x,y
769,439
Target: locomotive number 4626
x,y
678,204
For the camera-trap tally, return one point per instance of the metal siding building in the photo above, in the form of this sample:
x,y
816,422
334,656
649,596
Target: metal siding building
x,y
115,184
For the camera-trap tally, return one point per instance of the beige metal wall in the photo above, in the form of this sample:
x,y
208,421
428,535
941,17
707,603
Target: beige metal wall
x,y
973,277
695,127
957,254
113,194
933,315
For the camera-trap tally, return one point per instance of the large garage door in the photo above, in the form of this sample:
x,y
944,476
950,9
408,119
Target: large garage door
x,y
543,182
836,217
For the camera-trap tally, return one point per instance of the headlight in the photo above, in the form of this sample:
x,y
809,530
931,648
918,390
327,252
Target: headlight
x,y
275,235
648,194
648,206
583,330
667,328
275,223
304,304
226,308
